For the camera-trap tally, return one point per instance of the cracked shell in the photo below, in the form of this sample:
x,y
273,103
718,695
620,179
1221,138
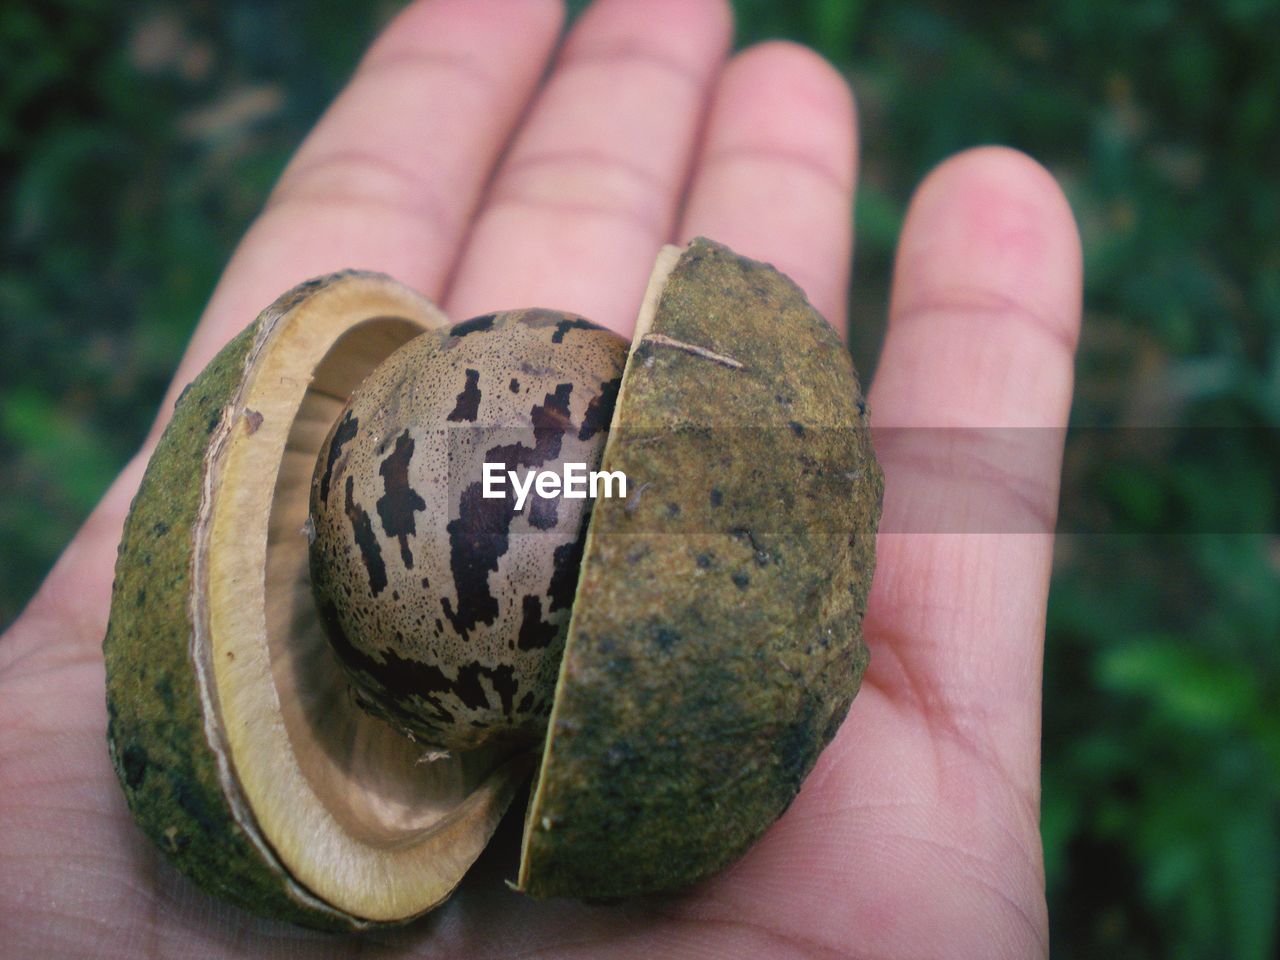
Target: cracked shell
x,y
715,644
239,750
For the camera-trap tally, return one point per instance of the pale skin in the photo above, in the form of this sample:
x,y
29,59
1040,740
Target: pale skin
x,y
456,162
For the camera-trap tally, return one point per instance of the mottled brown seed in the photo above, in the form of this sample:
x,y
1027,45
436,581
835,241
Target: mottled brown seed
x,y
496,583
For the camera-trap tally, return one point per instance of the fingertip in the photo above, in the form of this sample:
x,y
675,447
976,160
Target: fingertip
x,y
799,75
776,175
1006,178
985,309
607,25
994,158
993,218
597,170
434,20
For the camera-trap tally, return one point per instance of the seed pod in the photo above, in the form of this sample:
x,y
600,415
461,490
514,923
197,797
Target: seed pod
x,y
711,651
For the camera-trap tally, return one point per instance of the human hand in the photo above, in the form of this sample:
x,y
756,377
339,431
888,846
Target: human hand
x,y
452,164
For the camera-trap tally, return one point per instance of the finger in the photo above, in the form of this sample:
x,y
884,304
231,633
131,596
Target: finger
x,y
387,180
983,324
591,188
391,175
776,174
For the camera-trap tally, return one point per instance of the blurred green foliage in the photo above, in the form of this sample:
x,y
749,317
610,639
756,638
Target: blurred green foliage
x,y
136,142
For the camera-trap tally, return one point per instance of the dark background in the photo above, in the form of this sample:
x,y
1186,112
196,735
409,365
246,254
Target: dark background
x,y
137,141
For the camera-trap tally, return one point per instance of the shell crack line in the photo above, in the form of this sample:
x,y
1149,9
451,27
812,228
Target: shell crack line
x,y
660,340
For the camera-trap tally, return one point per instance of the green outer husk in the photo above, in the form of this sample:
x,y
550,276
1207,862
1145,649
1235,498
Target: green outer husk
x,y
691,707
156,724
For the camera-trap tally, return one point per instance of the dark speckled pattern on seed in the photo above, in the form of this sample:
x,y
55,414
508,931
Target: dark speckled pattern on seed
x,y
447,608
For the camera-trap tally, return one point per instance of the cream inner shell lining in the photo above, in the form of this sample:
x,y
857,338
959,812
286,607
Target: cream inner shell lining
x,y
346,803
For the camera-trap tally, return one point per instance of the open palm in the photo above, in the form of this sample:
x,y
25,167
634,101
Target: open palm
x,y
458,163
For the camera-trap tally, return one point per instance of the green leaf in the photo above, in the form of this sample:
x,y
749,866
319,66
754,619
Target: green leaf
x,y
1190,687
1249,851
